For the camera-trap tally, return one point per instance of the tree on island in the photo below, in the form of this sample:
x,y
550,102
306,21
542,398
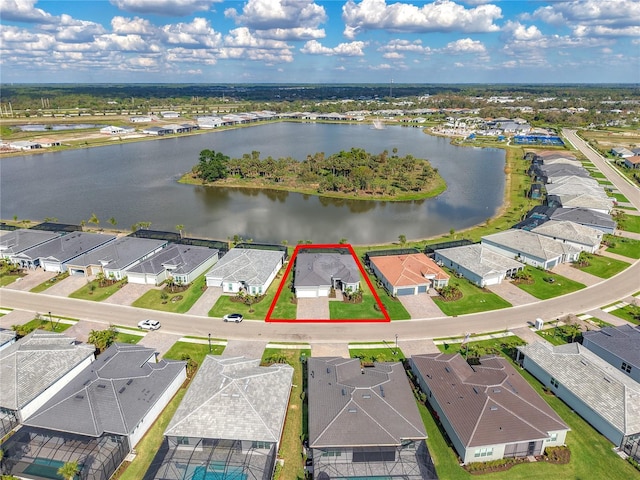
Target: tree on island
x,y
212,166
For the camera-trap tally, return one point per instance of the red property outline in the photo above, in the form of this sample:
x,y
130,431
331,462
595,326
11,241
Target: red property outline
x,y
326,320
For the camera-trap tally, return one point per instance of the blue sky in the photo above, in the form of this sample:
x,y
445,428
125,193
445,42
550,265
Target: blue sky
x,y
313,41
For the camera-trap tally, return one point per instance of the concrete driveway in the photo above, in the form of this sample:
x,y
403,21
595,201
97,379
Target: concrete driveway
x,y
245,348
576,274
420,306
65,287
330,350
129,293
160,341
512,294
313,309
206,301
32,279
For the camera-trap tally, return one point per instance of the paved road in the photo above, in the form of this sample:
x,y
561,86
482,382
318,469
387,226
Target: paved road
x,y
622,285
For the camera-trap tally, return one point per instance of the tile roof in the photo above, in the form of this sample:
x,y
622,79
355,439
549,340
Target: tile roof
x,y
622,341
585,200
410,269
23,239
602,387
530,244
313,269
6,336
111,395
234,399
486,404
570,231
253,266
121,253
349,406
479,259
186,258
23,375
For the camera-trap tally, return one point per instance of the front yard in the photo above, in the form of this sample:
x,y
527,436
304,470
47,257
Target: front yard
x,y
96,292
627,247
43,323
179,302
9,273
474,299
394,307
367,309
630,313
388,353
543,284
49,283
603,267
194,351
629,223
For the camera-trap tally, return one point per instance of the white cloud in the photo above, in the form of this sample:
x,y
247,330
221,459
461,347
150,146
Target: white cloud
x,y
24,11
178,8
240,43
299,33
393,55
517,31
439,16
71,30
122,43
604,31
351,49
401,45
382,66
465,45
198,34
137,25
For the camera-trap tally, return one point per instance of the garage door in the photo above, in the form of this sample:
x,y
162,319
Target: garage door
x,y
423,288
301,293
405,291
214,282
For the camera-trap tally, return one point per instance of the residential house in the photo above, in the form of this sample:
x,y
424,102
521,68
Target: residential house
x,y
488,410
549,156
246,269
584,216
140,119
600,393
632,162
531,248
408,274
22,239
33,370
229,423
315,274
182,263
575,188
587,239
621,152
364,422
54,255
7,337
619,346
113,259
113,130
98,417
478,264
599,203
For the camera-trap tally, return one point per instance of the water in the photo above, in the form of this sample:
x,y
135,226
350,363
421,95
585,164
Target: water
x,y
136,182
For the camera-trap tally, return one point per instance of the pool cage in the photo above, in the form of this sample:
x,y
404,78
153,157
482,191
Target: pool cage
x,y
186,458
38,453
8,421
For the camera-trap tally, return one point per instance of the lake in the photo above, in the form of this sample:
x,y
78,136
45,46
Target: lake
x,y
136,182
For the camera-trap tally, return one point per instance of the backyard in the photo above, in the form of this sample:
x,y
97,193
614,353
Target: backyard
x,y
166,301
543,284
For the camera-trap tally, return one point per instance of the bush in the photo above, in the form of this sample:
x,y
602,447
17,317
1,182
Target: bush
x,y
560,455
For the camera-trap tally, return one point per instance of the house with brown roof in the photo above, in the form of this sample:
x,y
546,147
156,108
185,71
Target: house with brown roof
x,y
489,411
408,274
632,162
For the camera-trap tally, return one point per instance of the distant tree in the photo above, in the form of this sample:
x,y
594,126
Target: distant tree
x,y
180,228
113,221
402,239
212,166
343,240
94,219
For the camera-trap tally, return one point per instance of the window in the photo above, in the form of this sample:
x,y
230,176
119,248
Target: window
x,y
332,453
261,445
554,382
625,367
183,440
483,452
553,437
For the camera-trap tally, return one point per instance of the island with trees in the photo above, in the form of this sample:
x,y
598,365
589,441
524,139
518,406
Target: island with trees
x,y
355,174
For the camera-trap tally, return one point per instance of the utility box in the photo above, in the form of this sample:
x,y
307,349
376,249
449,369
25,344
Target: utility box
x,y
539,323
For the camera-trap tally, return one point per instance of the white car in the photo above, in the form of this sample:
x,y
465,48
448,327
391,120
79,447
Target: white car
x,y
149,324
233,317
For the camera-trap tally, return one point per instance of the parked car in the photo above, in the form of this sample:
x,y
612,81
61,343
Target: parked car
x,y
233,317
149,324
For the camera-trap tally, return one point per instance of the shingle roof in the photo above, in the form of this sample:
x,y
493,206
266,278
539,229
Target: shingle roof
x,y
314,269
112,395
530,244
6,336
585,200
609,392
23,375
253,266
570,231
23,239
411,269
622,341
486,404
351,408
479,260
121,253
68,246
583,216
234,399
186,258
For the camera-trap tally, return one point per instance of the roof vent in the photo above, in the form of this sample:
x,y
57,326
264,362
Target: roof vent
x,y
447,369
343,392
79,397
475,390
353,410
496,390
494,409
366,395
130,381
328,370
122,389
102,386
607,380
381,391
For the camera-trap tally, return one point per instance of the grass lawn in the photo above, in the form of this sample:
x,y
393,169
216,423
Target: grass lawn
x,y
603,267
384,354
224,304
127,338
295,421
620,197
630,313
93,291
597,174
49,283
543,289
284,309
627,247
394,307
502,345
474,299
174,302
195,351
364,310
9,273
49,326
150,443
629,223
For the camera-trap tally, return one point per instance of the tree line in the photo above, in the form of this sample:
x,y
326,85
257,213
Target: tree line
x,y
352,171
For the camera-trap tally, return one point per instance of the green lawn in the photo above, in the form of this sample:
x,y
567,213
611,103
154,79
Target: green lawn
x,y
620,197
543,289
175,302
284,308
502,345
364,310
195,351
93,291
9,273
384,354
48,325
630,313
127,338
49,283
627,247
394,307
630,223
603,267
597,174
474,299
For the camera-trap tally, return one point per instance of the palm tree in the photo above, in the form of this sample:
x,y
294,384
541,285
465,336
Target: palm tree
x,y
180,228
402,239
112,221
94,219
69,470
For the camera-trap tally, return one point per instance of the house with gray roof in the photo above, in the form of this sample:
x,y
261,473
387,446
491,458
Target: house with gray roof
x,y
575,188
364,422
7,337
113,259
488,410
315,274
478,264
619,346
23,239
246,269
587,239
53,255
582,200
531,248
34,369
183,263
599,392
621,152
584,216
99,416
229,423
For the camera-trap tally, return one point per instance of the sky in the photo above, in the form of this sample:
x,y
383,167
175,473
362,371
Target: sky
x,y
314,41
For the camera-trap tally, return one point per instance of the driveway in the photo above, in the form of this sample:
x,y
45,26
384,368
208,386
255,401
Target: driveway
x,y
420,306
207,300
245,348
32,279
512,294
576,274
313,309
416,347
330,350
81,330
65,287
16,317
160,341
129,293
